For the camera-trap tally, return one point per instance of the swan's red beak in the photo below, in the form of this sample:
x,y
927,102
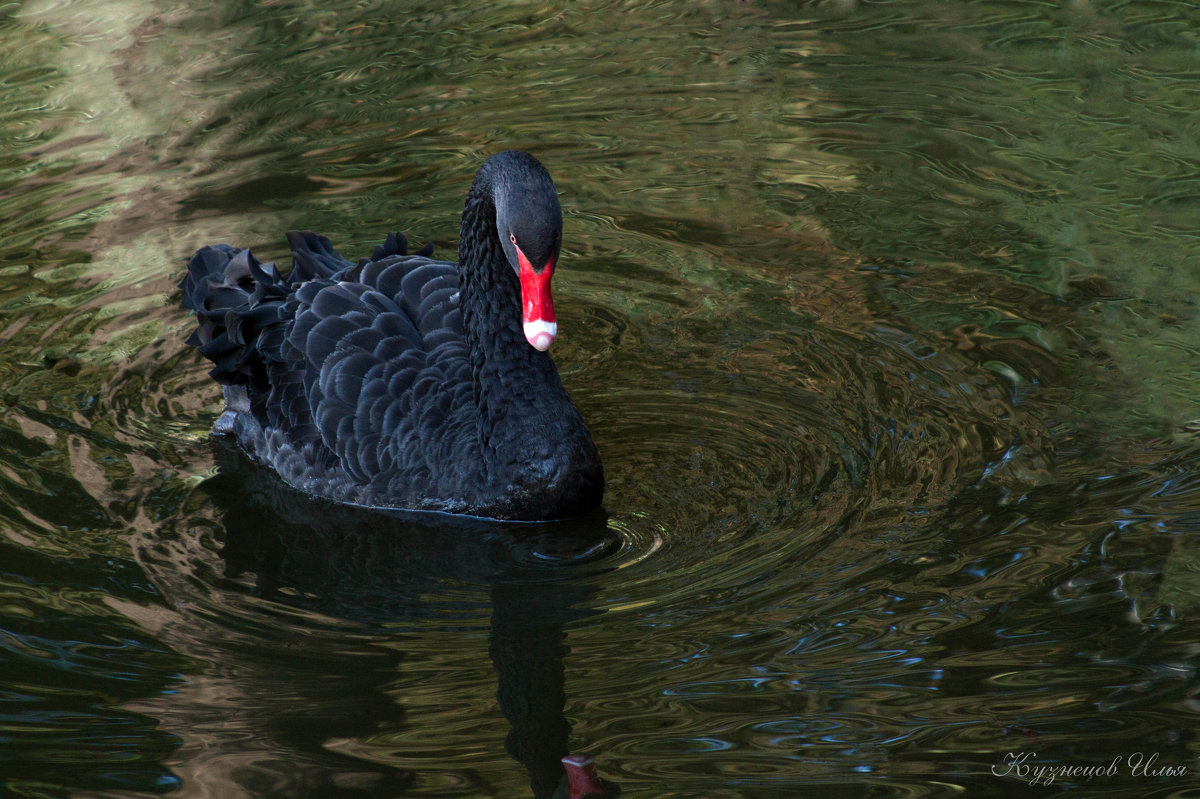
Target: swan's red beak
x,y
537,307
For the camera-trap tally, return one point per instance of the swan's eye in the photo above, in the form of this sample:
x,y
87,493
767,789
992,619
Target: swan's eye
x,y
513,239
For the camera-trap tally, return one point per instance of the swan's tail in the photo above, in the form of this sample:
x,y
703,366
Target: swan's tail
x,y
240,306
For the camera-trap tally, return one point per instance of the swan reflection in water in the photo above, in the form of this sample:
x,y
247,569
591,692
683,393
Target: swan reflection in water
x,y
305,615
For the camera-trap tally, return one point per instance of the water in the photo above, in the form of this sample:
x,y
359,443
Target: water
x,y
882,317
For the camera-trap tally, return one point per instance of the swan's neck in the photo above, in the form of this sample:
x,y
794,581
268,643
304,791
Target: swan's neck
x,y
507,371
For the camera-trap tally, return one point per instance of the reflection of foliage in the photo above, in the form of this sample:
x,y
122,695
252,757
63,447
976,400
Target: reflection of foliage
x,y
26,122
1053,145
1181,582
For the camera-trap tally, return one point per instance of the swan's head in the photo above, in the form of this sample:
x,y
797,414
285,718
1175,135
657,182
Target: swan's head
x,y
529,225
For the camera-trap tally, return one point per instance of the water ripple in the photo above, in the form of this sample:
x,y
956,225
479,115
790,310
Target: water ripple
x,y
900,469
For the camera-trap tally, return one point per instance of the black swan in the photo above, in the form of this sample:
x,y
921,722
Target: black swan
x,y
401,381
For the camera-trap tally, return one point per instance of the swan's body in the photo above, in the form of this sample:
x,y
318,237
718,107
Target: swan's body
x,y
402,381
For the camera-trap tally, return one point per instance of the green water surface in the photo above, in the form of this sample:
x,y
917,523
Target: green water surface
x,y
882,315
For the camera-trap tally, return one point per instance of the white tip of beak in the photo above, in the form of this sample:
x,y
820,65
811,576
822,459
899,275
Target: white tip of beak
x,y
540,334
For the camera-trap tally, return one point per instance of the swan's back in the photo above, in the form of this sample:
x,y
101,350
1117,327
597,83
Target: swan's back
x,y
351,380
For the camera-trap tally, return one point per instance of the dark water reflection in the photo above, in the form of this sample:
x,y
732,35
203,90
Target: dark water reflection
x,y
881,317
324,629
